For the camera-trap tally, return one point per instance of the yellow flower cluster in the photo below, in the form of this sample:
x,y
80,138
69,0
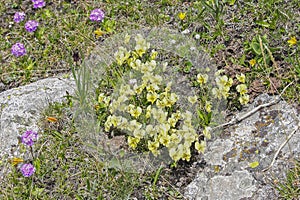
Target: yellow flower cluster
x,y
147,111
223,86
242,89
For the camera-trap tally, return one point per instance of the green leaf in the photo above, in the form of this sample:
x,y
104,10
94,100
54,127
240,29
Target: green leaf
x,y
254,164
56,134
37,164
187,67
262,23
256,48
230,2
30,66
242,60
209,116
37,191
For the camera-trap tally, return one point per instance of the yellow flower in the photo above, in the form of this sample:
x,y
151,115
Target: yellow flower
x,y
189,136
107,100
176,115
187,115
208,106
252,62
101,97
186,154
165,140
242,89
114,120
159,115
292,41
152,88
182,15
217,93
148,112
127,38
133,125
222,80
200,147
123,123
225,91
157,79
99,32
192,99
153,54
202,78
121,55
172,122
139,133
244,99
229,83
136,64
136,112
206,132
167,102
150,130
176,153
141,45
108,123
145,68
129,108
151,97
153,146
125,89
168,87
241,78
132,142
139,89
175,138
173,98
163,129
160,104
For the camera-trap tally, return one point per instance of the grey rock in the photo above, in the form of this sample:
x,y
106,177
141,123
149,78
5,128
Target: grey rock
x,y
2,86
20,108
238,184
255,139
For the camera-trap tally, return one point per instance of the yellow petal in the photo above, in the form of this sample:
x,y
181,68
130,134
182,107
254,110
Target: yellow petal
x,y
254,164
51,119
292,41
14,161
181,15
99,32
252,62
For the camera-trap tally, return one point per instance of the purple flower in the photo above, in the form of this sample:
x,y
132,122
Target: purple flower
x,y
97,15
19,16
31,25
18,49
29,137
38,3
27,169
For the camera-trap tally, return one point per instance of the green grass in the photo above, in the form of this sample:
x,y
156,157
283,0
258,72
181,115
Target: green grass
x,y
290,188
231,32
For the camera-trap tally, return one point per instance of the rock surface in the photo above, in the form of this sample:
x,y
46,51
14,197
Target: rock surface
x,y
20,108
228,174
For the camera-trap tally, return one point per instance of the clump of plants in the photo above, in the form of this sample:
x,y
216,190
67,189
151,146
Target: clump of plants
x,y
145,107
